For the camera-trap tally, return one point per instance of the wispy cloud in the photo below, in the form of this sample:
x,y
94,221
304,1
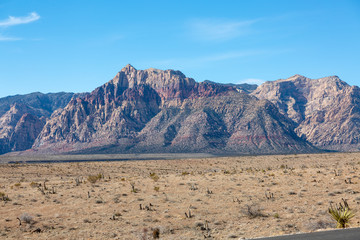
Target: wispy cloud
x,y
2,38
11,21
215,29
252,81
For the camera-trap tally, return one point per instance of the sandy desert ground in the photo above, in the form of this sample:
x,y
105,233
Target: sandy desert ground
x,y
213,198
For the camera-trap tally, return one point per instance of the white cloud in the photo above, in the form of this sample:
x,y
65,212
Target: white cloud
x,y
9,39
11,21
214,29
2,38
252,81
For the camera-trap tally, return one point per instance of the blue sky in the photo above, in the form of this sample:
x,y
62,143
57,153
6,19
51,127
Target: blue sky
x,y
76,46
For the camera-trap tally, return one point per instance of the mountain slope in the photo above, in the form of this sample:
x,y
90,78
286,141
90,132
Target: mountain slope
x,y
19,128
42,104
22,118
326,110
164,111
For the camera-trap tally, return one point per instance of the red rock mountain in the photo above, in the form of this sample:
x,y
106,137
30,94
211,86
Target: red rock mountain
x,y
22,118
164,111
326,111
19,127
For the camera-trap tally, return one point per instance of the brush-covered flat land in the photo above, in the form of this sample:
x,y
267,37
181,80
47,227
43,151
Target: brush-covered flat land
x,y
195,198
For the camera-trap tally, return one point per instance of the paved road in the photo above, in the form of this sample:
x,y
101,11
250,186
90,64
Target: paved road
x,y
343,234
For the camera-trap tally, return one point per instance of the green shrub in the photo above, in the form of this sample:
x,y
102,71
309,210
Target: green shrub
x,y
4,197
154,177
341,214
94,178
34,184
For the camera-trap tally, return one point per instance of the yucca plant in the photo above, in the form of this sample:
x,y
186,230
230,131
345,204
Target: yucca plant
x,y
341,214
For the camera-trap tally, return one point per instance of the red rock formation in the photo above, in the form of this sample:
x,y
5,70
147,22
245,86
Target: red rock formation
x,y
326,110
164,111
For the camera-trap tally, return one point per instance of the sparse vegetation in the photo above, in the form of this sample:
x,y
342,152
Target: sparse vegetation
x,y
342,214
94,178
154,177
133,189
156,233
26,218
257,190
253,211
34,184
4,197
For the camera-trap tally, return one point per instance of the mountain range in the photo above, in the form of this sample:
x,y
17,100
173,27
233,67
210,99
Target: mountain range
x,y
156,111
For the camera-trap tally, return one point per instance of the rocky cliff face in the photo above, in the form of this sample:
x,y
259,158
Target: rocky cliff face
x,y
41,104
22,118
326,110
19,128
164,111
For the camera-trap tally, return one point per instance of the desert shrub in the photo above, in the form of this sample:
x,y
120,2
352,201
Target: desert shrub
x,y
154,177
319,224
26,218
17,184
156,233
253,211
157,189
94,178
341,214
185,173
133,189
4,197
34,184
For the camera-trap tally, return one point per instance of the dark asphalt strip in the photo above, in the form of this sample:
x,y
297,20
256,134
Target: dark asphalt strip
x,y
342,234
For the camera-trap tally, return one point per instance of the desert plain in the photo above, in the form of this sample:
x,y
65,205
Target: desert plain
x,y
237,197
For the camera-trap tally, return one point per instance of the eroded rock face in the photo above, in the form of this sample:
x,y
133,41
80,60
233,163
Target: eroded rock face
x,y
164,111
43,105
23,116
19,128
26,131
326,110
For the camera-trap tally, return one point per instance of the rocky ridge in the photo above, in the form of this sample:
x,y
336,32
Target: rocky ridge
x,y
22,118
326,110
154,110
164,111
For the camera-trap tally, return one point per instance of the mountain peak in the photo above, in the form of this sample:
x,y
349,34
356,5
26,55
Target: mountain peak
x,y
297,76
128,68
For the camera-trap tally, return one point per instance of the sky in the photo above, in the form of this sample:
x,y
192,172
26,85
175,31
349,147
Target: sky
x,y
76,46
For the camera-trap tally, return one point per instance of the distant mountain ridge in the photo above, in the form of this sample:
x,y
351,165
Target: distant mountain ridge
x,y
243,87
42,104
22,118
325,110
162,111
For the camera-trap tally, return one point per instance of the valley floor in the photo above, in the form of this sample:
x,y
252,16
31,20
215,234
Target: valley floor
x,y
214,198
